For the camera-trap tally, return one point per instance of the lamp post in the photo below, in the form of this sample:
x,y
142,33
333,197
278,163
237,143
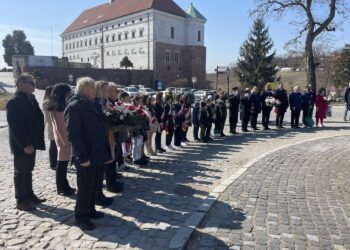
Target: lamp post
x,y
228,80
176,81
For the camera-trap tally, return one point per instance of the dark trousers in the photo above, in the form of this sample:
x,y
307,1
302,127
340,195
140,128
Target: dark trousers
x,y
244,125
169,135
195,131
295,118
233,120
110,171
266,117
208,131
61,176
158,140
86,182
99,181
279,118
254,120
217,128
119,154
24,165
184,135
178,135
53,154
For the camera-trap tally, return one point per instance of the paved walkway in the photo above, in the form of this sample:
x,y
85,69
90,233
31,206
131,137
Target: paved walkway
x,y
295,198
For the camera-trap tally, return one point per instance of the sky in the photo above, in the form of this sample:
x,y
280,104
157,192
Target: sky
x,y
228,25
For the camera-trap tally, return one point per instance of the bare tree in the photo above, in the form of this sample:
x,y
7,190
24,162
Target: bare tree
x,y
314,18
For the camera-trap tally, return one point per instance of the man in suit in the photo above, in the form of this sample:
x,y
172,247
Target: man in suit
x,y
255,101
26,134
266,109
296,104
282,96
87,133
234,101
245,109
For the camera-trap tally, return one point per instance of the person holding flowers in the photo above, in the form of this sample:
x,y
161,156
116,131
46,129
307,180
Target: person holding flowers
x,y
267,102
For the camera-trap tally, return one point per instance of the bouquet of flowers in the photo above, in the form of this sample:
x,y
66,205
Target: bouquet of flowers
x,y
122,115
272,102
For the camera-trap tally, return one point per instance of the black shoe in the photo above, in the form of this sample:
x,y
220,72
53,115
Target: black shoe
x,y
196,139
97,215
140,163
281,127
25,206
67,192
103,201
118,187
85,226
256,128
37,200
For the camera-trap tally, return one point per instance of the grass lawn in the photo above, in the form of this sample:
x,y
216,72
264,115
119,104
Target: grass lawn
x,y
4,97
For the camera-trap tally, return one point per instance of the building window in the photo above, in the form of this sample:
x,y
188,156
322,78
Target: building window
x,y
113,38
90,42
141,19
126,23
169,68
199,38
66,46
101,39
73,45
96,41
113,53
126,36
112,26
81,44
86,43
199,60
141,33
126,52
107,39
167,56
176,57
88,59
133,21
119,37
172,33
107,53
82,60
133,34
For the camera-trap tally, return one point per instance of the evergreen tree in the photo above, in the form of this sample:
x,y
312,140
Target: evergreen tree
x,y
255,65
16,44
126,63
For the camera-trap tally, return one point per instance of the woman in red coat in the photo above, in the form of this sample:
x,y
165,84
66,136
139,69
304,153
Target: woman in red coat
x,y
321,107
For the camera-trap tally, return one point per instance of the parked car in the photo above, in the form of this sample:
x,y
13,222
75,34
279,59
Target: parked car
x,y
203,94
147,91
133,92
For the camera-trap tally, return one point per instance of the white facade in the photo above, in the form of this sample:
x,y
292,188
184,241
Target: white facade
x,y
134,36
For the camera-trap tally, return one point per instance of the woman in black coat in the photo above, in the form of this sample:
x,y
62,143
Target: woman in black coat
x,y
255,110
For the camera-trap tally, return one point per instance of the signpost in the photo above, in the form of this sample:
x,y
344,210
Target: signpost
x,y
223,70
194,81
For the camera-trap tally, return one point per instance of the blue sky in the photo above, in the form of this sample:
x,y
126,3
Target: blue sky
x,y
227,27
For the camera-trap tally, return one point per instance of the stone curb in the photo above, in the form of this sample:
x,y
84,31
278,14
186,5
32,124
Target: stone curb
x,y
184,233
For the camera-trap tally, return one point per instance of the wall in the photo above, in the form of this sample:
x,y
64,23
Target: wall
x,y
122,77
137,49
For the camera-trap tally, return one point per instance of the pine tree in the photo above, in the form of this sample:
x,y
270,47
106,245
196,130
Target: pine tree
x,y
126,63
255,65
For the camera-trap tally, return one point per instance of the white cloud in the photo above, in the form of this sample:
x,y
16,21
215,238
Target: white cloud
x,y
40,39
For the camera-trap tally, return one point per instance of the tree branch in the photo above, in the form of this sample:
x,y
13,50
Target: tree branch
x,y
323,26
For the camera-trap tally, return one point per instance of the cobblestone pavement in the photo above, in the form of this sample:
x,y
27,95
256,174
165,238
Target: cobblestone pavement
x,y
298,198
157,200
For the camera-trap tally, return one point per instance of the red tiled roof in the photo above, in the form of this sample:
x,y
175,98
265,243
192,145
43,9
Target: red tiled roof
x,y
120,8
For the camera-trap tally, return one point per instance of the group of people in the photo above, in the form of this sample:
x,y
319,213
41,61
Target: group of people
x,y
79,133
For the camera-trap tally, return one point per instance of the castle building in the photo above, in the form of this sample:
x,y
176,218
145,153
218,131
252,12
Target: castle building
x,y
155,35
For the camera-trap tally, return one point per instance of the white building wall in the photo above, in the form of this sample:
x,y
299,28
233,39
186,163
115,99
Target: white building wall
x,y
192,28
163,23
137,49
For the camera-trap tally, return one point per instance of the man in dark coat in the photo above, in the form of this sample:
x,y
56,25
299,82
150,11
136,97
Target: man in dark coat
x,y
195,121
296,103
245,108
255,101
210,111
87,133
234,101
266,109
26,135
347,101
282,96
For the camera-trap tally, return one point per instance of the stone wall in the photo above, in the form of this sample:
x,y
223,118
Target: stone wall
x,y
119,76
187,67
